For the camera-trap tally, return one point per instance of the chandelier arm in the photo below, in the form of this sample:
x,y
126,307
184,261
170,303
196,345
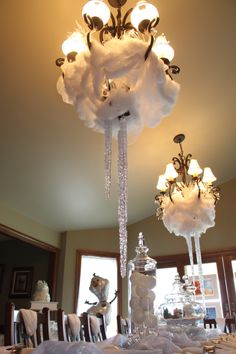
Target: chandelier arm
x,y
119,26
177,161
126,16
89,43
113,26
199,189
60,62
170,191
152,24
174,69
129,26
149,48
167,73
187,160
88,21
112,29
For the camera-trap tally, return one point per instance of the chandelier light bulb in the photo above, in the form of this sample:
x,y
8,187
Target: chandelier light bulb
x,y
171,172
74,43
194,168
208,176
142,14
161,184
162,48
98,11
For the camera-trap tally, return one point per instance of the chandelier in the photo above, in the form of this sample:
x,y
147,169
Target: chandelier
x,y
186,201
118,76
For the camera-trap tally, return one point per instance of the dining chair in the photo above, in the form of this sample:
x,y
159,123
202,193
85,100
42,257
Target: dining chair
x,y
122,325
70,327
209,323
94,327
26,326
230,325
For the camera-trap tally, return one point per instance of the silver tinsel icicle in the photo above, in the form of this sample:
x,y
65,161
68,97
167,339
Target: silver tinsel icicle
x,y
123,190
108,157
200,270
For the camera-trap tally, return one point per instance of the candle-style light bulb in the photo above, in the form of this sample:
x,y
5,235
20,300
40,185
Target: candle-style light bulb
x,y
98,12
142,14
194,168
163,49
161,184
171,172
208,176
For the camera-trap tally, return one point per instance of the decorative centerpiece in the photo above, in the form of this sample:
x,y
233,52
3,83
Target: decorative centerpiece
x,y
179,306
142,291
41,292
100,288
186,202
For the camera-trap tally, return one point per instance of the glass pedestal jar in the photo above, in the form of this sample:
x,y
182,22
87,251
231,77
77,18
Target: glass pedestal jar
x,y
142,291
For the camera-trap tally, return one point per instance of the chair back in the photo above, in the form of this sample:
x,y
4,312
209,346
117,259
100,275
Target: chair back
x,y
26,326
94,327
230,325
70,328
122,325
209,323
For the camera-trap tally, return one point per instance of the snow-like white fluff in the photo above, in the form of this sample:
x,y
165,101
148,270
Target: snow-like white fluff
x,y
188,215
143,298
138,86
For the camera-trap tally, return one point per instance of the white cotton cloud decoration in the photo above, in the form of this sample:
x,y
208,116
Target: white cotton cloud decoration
x,y
138,86
189,215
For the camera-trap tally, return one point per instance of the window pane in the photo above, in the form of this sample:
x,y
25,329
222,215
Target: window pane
x,y
212,288
165,279
104,267
234,271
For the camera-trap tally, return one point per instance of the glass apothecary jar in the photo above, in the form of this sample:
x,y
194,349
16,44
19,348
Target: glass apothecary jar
x,y
142,291
179,306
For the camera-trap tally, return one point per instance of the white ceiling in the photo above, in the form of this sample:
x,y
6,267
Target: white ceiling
x,y
52,165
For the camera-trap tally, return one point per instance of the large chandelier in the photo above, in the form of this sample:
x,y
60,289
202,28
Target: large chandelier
x,y
186,201
118,76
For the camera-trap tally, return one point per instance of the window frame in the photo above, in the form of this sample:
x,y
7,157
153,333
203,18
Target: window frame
x,y
82,252
222,258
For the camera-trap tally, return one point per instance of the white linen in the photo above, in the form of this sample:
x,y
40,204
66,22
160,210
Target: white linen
x,y
74,324
30,321
53,347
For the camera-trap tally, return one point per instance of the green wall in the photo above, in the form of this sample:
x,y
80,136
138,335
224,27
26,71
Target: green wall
x,y
14,220
159,241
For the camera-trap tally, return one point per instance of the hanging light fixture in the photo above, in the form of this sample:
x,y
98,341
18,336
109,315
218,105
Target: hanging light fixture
x,y
186,200
112,79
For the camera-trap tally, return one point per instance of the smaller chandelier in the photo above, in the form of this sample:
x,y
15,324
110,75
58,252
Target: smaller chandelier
x,y
184,186
186,202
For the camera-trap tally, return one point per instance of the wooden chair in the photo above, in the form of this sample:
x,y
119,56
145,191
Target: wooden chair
x,y
94,327
17,331
70,327
122,325
230,325
209,323
91,329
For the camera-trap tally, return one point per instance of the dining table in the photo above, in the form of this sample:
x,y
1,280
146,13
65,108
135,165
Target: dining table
x,y
185,341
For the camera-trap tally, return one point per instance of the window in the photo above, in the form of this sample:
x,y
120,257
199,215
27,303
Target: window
x,y
212,288
219,269
165,279
105,265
